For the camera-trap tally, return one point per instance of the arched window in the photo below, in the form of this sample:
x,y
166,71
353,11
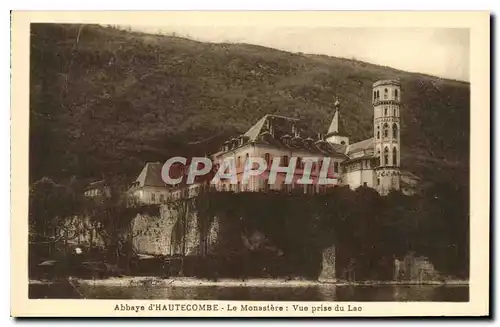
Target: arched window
x,y
378,94
385,111
395,131
386,130
378,134
385,93
396,93
374,95
395,157
386,156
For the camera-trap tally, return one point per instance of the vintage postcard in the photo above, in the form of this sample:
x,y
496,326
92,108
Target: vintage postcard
x,y
250,164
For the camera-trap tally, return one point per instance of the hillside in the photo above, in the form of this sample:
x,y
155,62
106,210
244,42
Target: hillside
x,y
103,101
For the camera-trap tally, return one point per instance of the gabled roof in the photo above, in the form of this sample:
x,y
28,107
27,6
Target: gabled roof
x,y
254,131
150,175
367,144
96,185
289,133
363,157
279,125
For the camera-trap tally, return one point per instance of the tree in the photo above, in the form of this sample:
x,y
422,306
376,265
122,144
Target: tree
x,y
49,204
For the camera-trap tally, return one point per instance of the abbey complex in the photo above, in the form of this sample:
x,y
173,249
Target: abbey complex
x,y
177,228
322,202
374,162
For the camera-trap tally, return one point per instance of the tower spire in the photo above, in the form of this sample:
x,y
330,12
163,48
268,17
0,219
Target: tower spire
x,y
334,134
334,126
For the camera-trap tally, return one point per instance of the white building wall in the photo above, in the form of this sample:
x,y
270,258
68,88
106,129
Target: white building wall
x,y
145,194
353,179
337,139
255,184
368,177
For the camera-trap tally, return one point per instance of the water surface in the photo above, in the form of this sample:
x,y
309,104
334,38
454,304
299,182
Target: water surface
x,y
438,293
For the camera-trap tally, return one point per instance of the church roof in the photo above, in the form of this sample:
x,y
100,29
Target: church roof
x,y
96,185
289,133
367,144
150,176
254,131
363,157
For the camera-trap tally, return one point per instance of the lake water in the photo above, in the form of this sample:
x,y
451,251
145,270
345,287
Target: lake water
x,y
438,293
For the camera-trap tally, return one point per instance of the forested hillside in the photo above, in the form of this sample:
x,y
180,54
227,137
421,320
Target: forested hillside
x,y
103,101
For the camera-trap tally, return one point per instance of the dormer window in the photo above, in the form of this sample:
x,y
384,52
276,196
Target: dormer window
x,y
285,139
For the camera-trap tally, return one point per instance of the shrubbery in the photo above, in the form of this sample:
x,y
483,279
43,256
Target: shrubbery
x,y
363,225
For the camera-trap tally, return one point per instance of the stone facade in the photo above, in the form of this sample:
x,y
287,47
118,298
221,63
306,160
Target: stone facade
x,y
79,230
414,268
174,232
328,265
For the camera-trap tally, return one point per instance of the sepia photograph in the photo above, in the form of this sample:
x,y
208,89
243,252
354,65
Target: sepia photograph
x,y
286,168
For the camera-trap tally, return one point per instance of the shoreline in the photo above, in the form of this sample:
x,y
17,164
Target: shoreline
x,y
134,281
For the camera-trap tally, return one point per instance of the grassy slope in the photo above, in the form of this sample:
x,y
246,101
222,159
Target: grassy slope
x,y
103,101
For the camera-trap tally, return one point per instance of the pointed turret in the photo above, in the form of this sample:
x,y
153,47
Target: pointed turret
x,y
335,133
334,126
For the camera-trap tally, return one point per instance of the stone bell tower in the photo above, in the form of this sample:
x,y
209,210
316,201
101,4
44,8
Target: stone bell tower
x,y
386,128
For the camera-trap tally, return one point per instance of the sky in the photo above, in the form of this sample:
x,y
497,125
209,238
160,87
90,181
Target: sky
x,y
442,52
